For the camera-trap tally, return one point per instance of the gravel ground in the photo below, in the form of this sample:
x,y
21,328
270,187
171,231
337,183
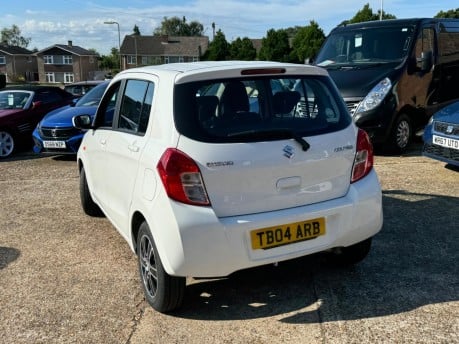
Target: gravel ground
x,y
68,278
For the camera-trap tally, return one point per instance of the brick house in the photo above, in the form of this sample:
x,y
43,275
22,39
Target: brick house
x,y
138,50
18,64
69,63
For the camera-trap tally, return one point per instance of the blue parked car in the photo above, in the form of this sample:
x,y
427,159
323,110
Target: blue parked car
x,y
441,135
55,133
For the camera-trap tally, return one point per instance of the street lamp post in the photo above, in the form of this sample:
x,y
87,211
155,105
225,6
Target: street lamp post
x,y
119,39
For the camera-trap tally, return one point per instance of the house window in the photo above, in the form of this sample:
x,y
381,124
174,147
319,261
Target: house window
x,y
2,60
50,77
48,59
144,60
181,59
68,77
67,59
131,59
195,59
166,59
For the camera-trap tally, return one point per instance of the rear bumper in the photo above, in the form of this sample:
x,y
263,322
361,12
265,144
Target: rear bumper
x,y
192,241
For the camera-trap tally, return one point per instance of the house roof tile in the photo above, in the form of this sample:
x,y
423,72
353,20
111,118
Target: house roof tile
x,y
164,45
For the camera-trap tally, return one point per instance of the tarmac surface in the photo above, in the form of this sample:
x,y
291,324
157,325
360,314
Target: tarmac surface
x,y
69,278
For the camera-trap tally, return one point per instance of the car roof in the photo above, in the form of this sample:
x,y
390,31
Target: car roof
x,y
87,82
28,87
184,72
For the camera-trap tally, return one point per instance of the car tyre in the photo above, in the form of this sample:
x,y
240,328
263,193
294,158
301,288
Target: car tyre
x,y
401,134
89,206
7,144
351,255
162,291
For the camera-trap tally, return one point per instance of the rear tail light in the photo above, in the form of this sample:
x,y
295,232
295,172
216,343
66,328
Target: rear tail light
x,y
363,161
182,178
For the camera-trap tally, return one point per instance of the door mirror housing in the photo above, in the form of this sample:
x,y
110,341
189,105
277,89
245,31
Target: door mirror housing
x,y
82,122
425,62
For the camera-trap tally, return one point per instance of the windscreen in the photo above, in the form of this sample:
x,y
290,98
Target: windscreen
x,y
14,99
366,45
261,108
93,97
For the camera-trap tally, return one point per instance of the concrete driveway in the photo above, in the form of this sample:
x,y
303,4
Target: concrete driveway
x,y
68,278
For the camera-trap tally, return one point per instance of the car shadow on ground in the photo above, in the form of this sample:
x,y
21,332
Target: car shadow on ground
x,y
413,263
7,256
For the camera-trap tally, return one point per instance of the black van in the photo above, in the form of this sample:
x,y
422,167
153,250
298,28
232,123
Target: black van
x,y
394,74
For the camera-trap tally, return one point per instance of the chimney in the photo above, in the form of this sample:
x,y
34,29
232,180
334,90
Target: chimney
x,y
69,43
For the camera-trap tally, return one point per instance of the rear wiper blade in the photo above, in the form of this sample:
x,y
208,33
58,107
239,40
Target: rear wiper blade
x,y
272,134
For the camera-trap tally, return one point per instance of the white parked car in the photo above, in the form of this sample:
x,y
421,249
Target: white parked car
x,y
207,168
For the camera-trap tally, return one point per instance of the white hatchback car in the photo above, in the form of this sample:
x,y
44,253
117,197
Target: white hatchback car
x,y
207,168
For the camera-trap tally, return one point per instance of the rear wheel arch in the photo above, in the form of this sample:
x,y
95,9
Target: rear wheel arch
x,y
136,222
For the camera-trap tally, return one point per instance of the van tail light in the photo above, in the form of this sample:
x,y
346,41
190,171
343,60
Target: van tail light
x,y
363,161
182,178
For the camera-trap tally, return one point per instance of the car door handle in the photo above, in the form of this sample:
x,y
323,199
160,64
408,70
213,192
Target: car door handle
x,y
133,148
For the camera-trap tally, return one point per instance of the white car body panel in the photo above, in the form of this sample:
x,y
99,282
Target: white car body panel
x,y
261,188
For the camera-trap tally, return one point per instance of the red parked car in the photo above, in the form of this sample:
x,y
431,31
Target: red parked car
x,y
21,108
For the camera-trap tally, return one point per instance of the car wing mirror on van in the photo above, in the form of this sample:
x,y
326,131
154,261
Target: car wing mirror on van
x,y
424,63
82,122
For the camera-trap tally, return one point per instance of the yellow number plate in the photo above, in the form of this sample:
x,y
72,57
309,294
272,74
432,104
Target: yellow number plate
x,y
266,238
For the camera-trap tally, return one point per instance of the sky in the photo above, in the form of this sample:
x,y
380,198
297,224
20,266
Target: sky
x,y
82,22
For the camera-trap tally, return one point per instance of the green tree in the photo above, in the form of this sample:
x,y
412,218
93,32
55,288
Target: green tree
x,y
307,42
136,31
448,14
366,14
179,27
219,48
110,62
275,46
13,37
242,49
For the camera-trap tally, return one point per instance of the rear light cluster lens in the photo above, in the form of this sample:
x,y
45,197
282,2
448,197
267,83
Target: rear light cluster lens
x,y
182,178
363,161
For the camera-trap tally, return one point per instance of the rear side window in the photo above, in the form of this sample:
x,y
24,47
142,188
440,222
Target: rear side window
x,y
135,106
241,110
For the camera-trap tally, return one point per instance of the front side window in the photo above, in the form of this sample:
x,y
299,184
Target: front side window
x,y
262,108
135,106
106,109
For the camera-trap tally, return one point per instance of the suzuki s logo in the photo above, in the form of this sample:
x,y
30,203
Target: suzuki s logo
x,y
449,129
289,151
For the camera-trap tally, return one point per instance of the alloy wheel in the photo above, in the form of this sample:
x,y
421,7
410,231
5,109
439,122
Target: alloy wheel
x,y
148,265
6,144
403,133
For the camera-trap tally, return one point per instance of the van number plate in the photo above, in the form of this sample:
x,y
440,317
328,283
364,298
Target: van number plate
x,y
271,237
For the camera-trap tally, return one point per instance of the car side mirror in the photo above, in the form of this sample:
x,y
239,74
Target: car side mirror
x,y
424,63
82,122
37,104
